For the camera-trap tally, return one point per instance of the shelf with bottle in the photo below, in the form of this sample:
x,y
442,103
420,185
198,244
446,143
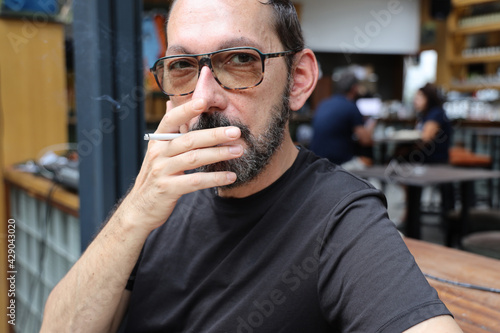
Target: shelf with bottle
x,y
466,79
474,108
476,82
475,19
479,20
469,87
477,29
473,46
464,3
489,54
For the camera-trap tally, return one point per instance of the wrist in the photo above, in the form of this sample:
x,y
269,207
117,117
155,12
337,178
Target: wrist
x,y
129,219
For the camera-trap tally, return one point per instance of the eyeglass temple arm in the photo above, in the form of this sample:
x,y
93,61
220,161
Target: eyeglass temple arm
x,y
279,54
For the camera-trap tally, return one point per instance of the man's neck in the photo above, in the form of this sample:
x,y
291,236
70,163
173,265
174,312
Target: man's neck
x,y
280,162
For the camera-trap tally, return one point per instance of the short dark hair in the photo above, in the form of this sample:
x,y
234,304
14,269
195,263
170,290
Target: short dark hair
x,y
286,24
432,95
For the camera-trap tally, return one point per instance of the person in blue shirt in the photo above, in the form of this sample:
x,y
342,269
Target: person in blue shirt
x,y
436,131
435,127
338,125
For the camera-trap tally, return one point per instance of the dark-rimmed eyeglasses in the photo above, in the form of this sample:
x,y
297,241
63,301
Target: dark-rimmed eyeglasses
x,y
235,68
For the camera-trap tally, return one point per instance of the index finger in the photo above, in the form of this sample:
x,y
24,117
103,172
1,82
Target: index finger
x,y
174,118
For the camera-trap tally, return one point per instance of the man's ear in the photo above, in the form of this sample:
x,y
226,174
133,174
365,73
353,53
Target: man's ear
x,y
304,78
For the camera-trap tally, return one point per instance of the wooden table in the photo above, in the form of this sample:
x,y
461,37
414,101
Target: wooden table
x,y
474,310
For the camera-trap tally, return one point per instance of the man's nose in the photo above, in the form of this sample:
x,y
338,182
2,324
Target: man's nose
x,y
210,90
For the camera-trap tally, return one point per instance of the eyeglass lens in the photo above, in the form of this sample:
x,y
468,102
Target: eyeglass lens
x,y
233,69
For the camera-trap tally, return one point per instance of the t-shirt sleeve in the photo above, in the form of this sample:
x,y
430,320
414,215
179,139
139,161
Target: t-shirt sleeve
x,y
368,280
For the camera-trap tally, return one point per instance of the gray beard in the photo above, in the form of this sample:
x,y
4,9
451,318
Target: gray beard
x,y
259,149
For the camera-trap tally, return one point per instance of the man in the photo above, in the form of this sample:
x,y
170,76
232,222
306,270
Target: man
x,y
259,254
339,128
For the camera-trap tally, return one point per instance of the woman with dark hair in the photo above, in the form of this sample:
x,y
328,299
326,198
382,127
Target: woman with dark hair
x,y
435,127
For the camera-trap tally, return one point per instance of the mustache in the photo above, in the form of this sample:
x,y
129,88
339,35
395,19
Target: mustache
x,y
218,119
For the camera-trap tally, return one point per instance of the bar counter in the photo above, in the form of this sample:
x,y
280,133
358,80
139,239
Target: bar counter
x,y
39,188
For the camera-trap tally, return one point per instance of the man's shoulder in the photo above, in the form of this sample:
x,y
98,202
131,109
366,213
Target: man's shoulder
x,y
327,177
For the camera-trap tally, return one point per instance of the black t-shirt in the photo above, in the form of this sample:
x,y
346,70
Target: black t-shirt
x,y
437,150
313,252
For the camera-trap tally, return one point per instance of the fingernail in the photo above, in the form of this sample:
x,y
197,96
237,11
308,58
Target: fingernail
x,y
236,150
231,177
233,132
199,104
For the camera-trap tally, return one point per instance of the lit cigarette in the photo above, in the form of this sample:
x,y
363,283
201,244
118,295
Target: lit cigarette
x,y
162,136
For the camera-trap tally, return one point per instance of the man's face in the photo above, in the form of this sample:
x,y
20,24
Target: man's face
x,y
201,26
259,148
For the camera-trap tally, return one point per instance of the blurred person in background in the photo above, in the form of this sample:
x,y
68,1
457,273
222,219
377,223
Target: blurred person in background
x,y
435,138
435,130
435,127
340,131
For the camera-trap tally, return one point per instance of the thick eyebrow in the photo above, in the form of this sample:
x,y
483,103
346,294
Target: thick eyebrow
x,y
176,49
236,42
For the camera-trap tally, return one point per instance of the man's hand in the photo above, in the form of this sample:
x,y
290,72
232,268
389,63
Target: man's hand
x,y
162,181
92,296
